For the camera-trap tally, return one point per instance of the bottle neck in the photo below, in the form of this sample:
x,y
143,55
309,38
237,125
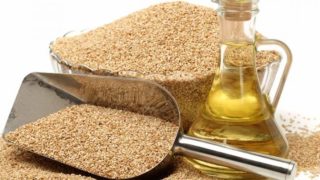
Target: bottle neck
x,y
237,20
237,30
237,47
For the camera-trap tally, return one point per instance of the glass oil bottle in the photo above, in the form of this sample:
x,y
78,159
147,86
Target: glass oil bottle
x,y
237,111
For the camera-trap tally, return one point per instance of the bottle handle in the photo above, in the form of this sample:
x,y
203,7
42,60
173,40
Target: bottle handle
x,y
267,83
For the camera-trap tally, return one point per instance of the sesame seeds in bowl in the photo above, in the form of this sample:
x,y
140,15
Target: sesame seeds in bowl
x,y
175,44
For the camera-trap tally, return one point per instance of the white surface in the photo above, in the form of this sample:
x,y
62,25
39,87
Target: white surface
x,y
27,27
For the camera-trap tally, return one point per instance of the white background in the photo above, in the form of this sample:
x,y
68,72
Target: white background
x,y
28,26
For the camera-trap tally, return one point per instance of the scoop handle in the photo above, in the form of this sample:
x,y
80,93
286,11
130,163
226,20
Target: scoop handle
x,y
221,154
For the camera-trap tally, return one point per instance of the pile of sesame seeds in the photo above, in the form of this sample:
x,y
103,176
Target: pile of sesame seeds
x,y
19,164
166,38
102,141
303,134
184,170
305,150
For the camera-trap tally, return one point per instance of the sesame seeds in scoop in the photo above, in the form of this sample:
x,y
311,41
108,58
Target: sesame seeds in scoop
x,y
106,142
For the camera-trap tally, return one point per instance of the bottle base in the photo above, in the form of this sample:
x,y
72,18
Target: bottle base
x,y
221,172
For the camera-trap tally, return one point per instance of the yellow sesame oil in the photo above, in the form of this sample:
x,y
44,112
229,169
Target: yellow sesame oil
x,y
236,112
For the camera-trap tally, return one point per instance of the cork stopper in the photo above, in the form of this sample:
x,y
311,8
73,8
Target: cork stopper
x,y
238,10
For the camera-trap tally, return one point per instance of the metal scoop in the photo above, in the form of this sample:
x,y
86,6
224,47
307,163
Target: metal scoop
x,y
44,93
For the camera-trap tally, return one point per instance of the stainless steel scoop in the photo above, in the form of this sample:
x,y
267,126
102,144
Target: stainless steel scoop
x,y
44,93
